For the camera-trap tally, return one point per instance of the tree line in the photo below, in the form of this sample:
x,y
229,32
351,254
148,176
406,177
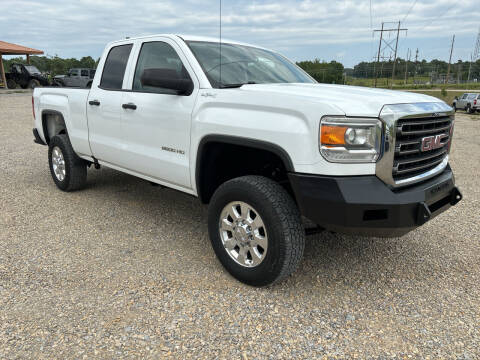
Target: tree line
x,y
54,65
324,72
431,69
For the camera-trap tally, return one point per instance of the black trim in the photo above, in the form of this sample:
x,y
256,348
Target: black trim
x,y
37,139
241,141
364,205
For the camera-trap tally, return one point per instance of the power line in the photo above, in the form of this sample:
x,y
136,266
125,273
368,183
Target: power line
x,y
409,10
438,17
371,24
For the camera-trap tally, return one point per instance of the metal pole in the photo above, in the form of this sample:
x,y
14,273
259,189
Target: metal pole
x,y
406,65
395,55
450,60
470,68
378,55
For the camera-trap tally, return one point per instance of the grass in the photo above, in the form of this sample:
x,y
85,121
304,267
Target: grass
x,y
399,84
448,98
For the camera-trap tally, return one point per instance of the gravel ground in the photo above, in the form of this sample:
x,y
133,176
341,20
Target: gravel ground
x,y
124,269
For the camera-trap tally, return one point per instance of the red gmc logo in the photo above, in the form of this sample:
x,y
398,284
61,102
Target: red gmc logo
x,y
433,142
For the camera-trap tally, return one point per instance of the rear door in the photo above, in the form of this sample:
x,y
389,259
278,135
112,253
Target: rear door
x,y
104,105
462,101
157,131
84,77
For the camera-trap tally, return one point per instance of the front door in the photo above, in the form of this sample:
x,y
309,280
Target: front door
x,y
157,121
104,106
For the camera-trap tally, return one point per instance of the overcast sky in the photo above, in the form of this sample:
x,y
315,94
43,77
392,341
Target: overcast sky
x,y
329,30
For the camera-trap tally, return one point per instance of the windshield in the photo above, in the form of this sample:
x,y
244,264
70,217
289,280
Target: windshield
x,y
244,65
32,69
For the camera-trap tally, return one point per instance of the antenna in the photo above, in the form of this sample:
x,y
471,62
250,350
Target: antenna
x,y
220,44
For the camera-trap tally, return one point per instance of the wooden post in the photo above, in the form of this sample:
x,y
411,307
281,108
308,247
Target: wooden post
x,y
28,59
2,71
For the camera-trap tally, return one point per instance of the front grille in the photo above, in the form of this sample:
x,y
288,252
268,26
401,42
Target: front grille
x,y
409,159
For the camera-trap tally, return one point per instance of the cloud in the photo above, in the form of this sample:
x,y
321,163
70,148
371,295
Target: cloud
x,y
300,29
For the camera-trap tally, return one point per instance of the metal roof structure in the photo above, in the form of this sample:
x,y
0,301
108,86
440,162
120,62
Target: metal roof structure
x,y
14,49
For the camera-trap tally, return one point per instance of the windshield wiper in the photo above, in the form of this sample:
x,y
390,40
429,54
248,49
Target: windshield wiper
x,y
230,86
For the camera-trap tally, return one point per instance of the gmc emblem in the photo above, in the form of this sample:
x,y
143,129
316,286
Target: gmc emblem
x,y
433,142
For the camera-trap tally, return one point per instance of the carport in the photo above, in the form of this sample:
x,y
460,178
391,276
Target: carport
x,y
14,49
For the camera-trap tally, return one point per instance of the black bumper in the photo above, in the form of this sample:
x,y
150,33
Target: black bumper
x,y
364,205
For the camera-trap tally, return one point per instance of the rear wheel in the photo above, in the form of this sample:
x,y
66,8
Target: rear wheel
x,y
33,84
11,84
69,172
256,230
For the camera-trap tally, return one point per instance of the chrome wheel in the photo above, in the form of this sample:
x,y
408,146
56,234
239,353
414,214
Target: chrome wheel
x,y
243,234
58,163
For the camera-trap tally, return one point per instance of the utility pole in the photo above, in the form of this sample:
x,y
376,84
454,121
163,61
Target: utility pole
x,y
387,43
378,56
459,70
395,55
470,68
406,65
450,60
416,60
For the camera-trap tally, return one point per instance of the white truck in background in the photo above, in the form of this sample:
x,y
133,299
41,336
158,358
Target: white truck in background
x,y
251,134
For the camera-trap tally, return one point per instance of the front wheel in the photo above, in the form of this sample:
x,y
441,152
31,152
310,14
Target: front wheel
x,y
11,84
256,230
69,172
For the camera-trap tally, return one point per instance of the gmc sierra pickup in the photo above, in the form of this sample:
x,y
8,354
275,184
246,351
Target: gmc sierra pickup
x,y
248,132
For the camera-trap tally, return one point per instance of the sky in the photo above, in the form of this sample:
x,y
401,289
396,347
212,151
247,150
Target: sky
x,y
339,30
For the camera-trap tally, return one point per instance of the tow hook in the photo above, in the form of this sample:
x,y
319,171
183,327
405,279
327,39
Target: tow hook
x,y
424,214
455,196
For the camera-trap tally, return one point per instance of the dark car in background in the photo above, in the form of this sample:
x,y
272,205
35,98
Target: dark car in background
x,y
27,76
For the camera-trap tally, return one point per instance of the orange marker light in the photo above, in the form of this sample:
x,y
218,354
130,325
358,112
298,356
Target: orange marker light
x,y
333,135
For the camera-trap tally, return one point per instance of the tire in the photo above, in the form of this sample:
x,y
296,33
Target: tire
x,y
33,84
283,233
470,110
11,84
68,164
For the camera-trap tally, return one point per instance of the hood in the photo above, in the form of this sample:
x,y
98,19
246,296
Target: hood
x,y
352,100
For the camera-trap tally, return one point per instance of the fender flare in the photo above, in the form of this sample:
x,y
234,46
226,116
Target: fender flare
x,y
241,141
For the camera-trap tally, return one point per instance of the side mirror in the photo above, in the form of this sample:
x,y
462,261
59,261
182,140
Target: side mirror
x,y
167,79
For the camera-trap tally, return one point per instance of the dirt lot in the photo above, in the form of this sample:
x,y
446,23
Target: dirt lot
x,y
124,269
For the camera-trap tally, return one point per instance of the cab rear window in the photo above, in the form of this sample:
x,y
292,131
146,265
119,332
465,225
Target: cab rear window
x,y
115,65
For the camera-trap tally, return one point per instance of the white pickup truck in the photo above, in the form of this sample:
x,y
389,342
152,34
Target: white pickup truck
x,y
248,132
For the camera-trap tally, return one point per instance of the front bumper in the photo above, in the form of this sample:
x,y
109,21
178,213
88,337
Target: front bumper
x,y
364,205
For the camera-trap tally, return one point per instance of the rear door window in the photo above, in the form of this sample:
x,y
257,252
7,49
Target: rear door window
x,y
114,68
84,72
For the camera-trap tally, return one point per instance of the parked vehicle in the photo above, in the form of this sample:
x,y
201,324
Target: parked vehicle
x,y
78,77
27,76
470,102
256,138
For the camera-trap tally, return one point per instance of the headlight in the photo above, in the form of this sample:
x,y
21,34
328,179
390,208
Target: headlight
x,y
350,140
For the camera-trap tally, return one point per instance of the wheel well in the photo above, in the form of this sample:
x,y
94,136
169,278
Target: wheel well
x,y
221,159
53,124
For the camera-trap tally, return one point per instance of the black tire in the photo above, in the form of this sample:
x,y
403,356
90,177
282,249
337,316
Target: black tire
x,y
11,84
33,84
75,177
283,224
